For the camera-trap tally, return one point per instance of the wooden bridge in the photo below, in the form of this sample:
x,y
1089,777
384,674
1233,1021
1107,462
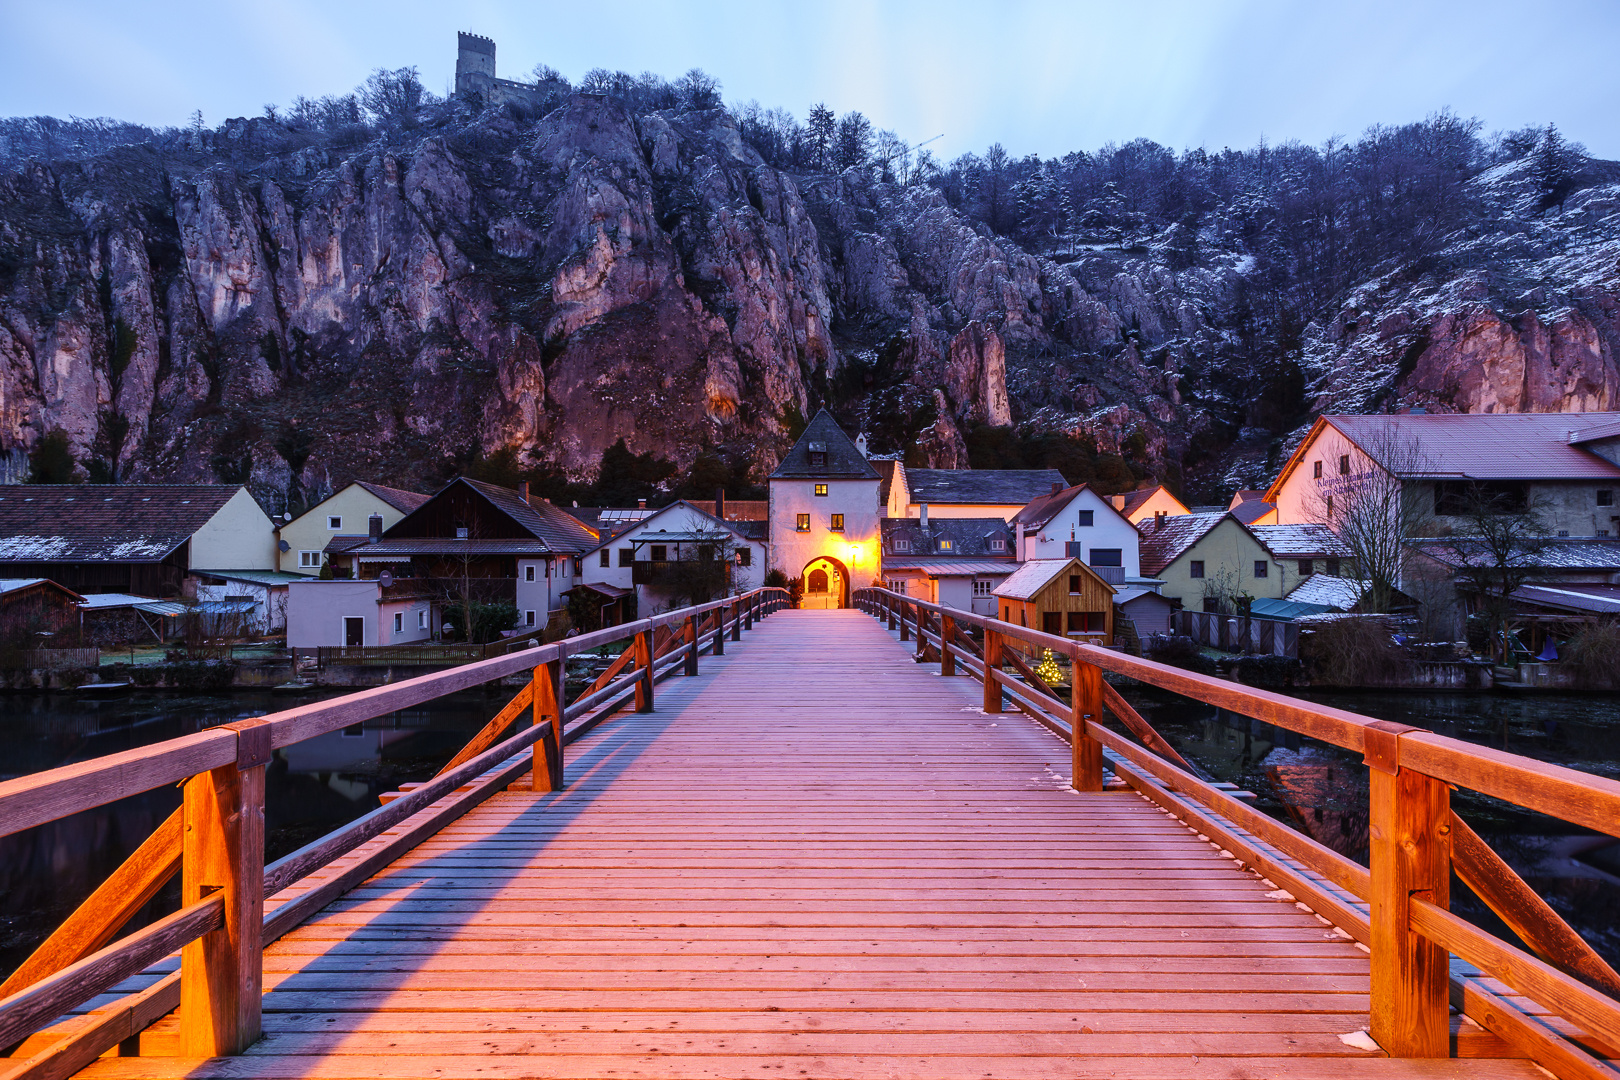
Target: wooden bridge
x,y
816,854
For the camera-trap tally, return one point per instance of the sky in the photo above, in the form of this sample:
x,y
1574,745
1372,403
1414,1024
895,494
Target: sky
x,y
1038,77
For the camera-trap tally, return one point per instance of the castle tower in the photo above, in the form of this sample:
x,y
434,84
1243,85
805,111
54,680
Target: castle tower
x,y
475,62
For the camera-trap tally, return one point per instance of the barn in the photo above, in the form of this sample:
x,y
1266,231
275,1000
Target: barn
x,y
1059,596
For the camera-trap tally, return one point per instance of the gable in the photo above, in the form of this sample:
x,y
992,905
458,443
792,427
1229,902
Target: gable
x,y
824,452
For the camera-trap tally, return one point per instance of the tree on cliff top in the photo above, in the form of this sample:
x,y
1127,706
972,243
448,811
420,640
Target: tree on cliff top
x,y
392,98
1553,166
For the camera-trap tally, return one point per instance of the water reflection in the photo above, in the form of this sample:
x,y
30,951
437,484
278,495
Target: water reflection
x,y
1322,790
311,787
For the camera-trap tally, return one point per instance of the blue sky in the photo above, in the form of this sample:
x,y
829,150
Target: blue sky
x,y
1040,78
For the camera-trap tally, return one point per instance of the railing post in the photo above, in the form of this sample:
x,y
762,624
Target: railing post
x,y
1086,705
748,613
720,630
548,751
947,634
889,605
736,620
992,669
691,636
644,671
922,636
905,623
222,845
1409,855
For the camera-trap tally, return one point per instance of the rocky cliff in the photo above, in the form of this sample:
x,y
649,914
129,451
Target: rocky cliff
x,y
550,286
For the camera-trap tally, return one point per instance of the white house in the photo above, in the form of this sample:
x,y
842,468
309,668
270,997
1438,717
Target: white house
x,y
824,512
265,590
347,515
635,558
955,562
357,613
1076,522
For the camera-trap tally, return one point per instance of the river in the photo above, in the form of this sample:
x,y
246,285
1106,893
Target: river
x,y
322,783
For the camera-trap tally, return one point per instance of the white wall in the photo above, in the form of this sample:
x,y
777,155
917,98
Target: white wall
x,y
543,595
416,621
1107,530
674,519
316,610
1301,499
239,536
271,601
792,550
310,531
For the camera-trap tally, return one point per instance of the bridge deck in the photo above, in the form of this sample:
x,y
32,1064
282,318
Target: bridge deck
x,y
814,859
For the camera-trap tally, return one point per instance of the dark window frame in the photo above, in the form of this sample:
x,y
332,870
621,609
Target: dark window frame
x,y
1262,569
1195,569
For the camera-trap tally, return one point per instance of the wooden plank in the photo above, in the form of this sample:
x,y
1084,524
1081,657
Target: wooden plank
x,y
87,1038
106,911
1525,1036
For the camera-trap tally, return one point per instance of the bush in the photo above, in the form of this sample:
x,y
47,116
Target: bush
x,y
1268,672
1593,655
1180,651
1354,652
201,676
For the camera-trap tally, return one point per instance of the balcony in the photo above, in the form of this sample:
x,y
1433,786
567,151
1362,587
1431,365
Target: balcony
x,y
1114,575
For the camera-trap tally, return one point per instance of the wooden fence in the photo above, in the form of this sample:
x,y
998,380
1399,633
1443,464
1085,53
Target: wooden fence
x,y
1398,905
215,841
1240,633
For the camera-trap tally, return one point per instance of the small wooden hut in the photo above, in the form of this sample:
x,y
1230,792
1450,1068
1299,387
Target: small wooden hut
x,y
1058,596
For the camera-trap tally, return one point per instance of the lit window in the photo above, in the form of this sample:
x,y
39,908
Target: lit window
x,y
528,618
802,523
1261,568
837,523
1316,469
946,545
528,573
605,559
1196,568
399,622
334,522
821,489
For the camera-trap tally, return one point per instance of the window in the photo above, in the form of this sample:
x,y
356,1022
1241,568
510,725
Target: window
x,y
821,490
1465,497
981,586
627,556
1107,556
1074,584
528,573
309,559
902,544
1051,622
802,523
817,453
1196,568
837,523
897,585
745,556
421,619
399,622
1316,470
461,532
1006,613
1331,567
1085,517
1212,605
1306,568
1330,506
1563,532
334,522
1606,497
528,618
1080,622
947,545
1261,568
1344,464
659,553
998,544
578,563
604,558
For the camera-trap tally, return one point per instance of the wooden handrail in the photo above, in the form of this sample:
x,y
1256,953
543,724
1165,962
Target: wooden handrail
x,y
1414,836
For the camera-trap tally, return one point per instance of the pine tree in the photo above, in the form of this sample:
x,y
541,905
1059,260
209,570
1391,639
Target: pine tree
x,y
821,124
1553,167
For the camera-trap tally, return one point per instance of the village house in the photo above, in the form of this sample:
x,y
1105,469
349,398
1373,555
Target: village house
x,y
140,539
824,515
654,554
1566,466
1299,552
1207,562
363,612
245,601
1076,522
965,493
1059,596
1146,502
954,562
1251,508
37,613
341,519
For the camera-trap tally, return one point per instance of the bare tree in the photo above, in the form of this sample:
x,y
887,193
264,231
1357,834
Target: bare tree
x,y
1375,502
1498,534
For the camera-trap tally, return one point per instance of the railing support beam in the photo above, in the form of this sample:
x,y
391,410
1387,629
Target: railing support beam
x,y
548,751
222,850
1409,849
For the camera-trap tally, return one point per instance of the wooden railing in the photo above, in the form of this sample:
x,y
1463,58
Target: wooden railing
x,y
1398,905
215,841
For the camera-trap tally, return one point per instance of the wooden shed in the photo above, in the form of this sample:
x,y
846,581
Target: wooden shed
x,y
1058,596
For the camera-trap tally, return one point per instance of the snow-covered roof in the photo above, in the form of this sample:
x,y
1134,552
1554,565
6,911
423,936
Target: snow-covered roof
x,y
1037,574
1166,539
1596,599
1301,541
46,523
1550,555
1329,591
104,601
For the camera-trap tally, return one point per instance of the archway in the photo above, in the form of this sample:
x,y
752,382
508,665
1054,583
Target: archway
x,y
826,583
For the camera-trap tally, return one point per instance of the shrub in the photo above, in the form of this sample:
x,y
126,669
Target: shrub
x,y
1268,672
1354,652
1180,651
200,676
1593,655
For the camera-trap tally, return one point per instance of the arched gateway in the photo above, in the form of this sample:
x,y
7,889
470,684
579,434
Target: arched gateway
x,y
826,583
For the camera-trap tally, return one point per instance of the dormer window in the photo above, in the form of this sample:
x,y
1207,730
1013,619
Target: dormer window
x,y
817,453
902,545
945,545
998,544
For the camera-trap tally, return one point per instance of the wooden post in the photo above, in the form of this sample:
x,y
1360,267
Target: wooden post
x,y
922,636
548,751
644,671
1086,706
736,620
691,636
905,623
222,972
720,630
1409,849
947,634
992,668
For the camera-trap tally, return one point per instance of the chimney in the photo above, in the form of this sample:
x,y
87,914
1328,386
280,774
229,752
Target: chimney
x,y
1018,542
922,515
376,527
1158,518
720,503
641,504
1056,487
523,490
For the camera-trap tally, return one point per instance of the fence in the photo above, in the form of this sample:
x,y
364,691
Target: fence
x,y
1240,633
1397,906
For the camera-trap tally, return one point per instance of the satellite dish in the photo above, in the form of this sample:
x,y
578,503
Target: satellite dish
x,y
385,579
284,546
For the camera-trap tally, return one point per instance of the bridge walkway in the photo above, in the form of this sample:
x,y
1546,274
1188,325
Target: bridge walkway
x,y
816,858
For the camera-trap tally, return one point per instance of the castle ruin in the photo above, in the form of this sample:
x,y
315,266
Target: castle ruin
x,y
475,74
